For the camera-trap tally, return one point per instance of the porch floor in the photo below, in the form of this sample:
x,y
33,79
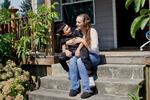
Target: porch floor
x,y
125,53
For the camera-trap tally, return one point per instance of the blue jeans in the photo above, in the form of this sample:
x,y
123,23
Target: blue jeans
x,y
77,70
95,59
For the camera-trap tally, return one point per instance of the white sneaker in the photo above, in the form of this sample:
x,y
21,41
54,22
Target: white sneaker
x,y
91,82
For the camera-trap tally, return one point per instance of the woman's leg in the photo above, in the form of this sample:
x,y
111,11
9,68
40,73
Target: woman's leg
x,y
95,59
74,74
85,79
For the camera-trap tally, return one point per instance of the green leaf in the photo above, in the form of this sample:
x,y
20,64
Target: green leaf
x,y
143,3
128,3
144,22
135,25
144,11
137,5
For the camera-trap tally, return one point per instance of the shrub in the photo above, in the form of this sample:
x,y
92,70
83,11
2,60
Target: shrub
x,y
14,82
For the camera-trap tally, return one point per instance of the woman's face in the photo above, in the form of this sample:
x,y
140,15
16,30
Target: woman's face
x,y
79,22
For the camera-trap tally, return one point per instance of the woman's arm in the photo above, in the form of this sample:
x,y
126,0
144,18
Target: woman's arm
x,y
77,53
94,40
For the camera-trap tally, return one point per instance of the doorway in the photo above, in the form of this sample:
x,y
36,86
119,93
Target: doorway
x,y
124,19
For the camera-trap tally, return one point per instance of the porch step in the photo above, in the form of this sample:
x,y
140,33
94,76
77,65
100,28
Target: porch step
x,y
120,87
121,71
134,57
115,71
51,94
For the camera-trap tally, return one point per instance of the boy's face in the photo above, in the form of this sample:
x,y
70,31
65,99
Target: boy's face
x,y
67,30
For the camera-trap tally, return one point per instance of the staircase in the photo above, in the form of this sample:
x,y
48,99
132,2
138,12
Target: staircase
x,y
119,74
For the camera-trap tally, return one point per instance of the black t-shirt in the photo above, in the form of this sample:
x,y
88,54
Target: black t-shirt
x,y
75,33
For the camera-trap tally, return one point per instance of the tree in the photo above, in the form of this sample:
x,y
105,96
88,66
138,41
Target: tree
x,y
142,19
26,6
5,4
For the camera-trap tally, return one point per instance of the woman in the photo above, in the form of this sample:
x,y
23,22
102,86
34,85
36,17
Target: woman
x,y
77,69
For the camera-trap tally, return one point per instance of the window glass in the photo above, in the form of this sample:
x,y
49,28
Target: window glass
x,y
59,10
72,1
70,11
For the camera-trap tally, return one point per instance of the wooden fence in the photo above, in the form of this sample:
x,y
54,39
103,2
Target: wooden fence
x,y
16,26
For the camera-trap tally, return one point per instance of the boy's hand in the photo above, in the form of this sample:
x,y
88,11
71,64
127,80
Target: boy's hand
x,y
68,53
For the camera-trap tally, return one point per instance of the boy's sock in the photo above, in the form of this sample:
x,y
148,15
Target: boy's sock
x,y
91,81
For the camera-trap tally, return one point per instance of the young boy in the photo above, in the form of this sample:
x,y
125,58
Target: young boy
x,y
68,51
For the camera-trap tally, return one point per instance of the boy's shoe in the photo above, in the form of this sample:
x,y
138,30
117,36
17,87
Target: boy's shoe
x,y
94,90
73,93
85,95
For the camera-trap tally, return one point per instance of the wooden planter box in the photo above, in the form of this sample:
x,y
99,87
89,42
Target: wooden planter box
x,y
40,65
42,60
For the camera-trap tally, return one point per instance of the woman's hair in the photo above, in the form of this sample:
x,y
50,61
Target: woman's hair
x,y
87,26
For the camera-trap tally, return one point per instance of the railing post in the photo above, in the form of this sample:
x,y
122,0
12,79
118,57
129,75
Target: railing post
x,y
50,33
147,75
13,11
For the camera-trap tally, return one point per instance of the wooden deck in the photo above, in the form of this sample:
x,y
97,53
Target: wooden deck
x,y
125,53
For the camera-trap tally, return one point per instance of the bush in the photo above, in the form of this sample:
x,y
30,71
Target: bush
x,y
15,83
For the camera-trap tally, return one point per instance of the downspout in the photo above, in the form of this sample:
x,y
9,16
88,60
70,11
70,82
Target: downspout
x,y
114,23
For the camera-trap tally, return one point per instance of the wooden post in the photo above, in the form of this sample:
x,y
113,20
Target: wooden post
x,y
13,11
50,34
149,8
147,75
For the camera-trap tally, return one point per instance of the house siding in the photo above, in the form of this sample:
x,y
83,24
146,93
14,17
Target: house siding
x,y
104,24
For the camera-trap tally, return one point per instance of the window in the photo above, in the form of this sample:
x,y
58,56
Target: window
x,y
69,9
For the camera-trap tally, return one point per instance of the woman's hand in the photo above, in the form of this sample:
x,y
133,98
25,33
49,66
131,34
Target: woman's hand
x,y
68,53
78,40
70,42
77,53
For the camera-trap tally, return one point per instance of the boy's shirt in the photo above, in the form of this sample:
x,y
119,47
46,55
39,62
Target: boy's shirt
x,y
75,33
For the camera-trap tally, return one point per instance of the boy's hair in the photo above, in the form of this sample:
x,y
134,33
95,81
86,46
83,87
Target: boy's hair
x,y
59,28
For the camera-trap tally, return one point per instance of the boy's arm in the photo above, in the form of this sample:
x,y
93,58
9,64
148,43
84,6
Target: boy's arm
x,y
66,51
63,48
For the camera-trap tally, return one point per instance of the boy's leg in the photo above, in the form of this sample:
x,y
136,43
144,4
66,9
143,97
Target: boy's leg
x,y
62,60
84,55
